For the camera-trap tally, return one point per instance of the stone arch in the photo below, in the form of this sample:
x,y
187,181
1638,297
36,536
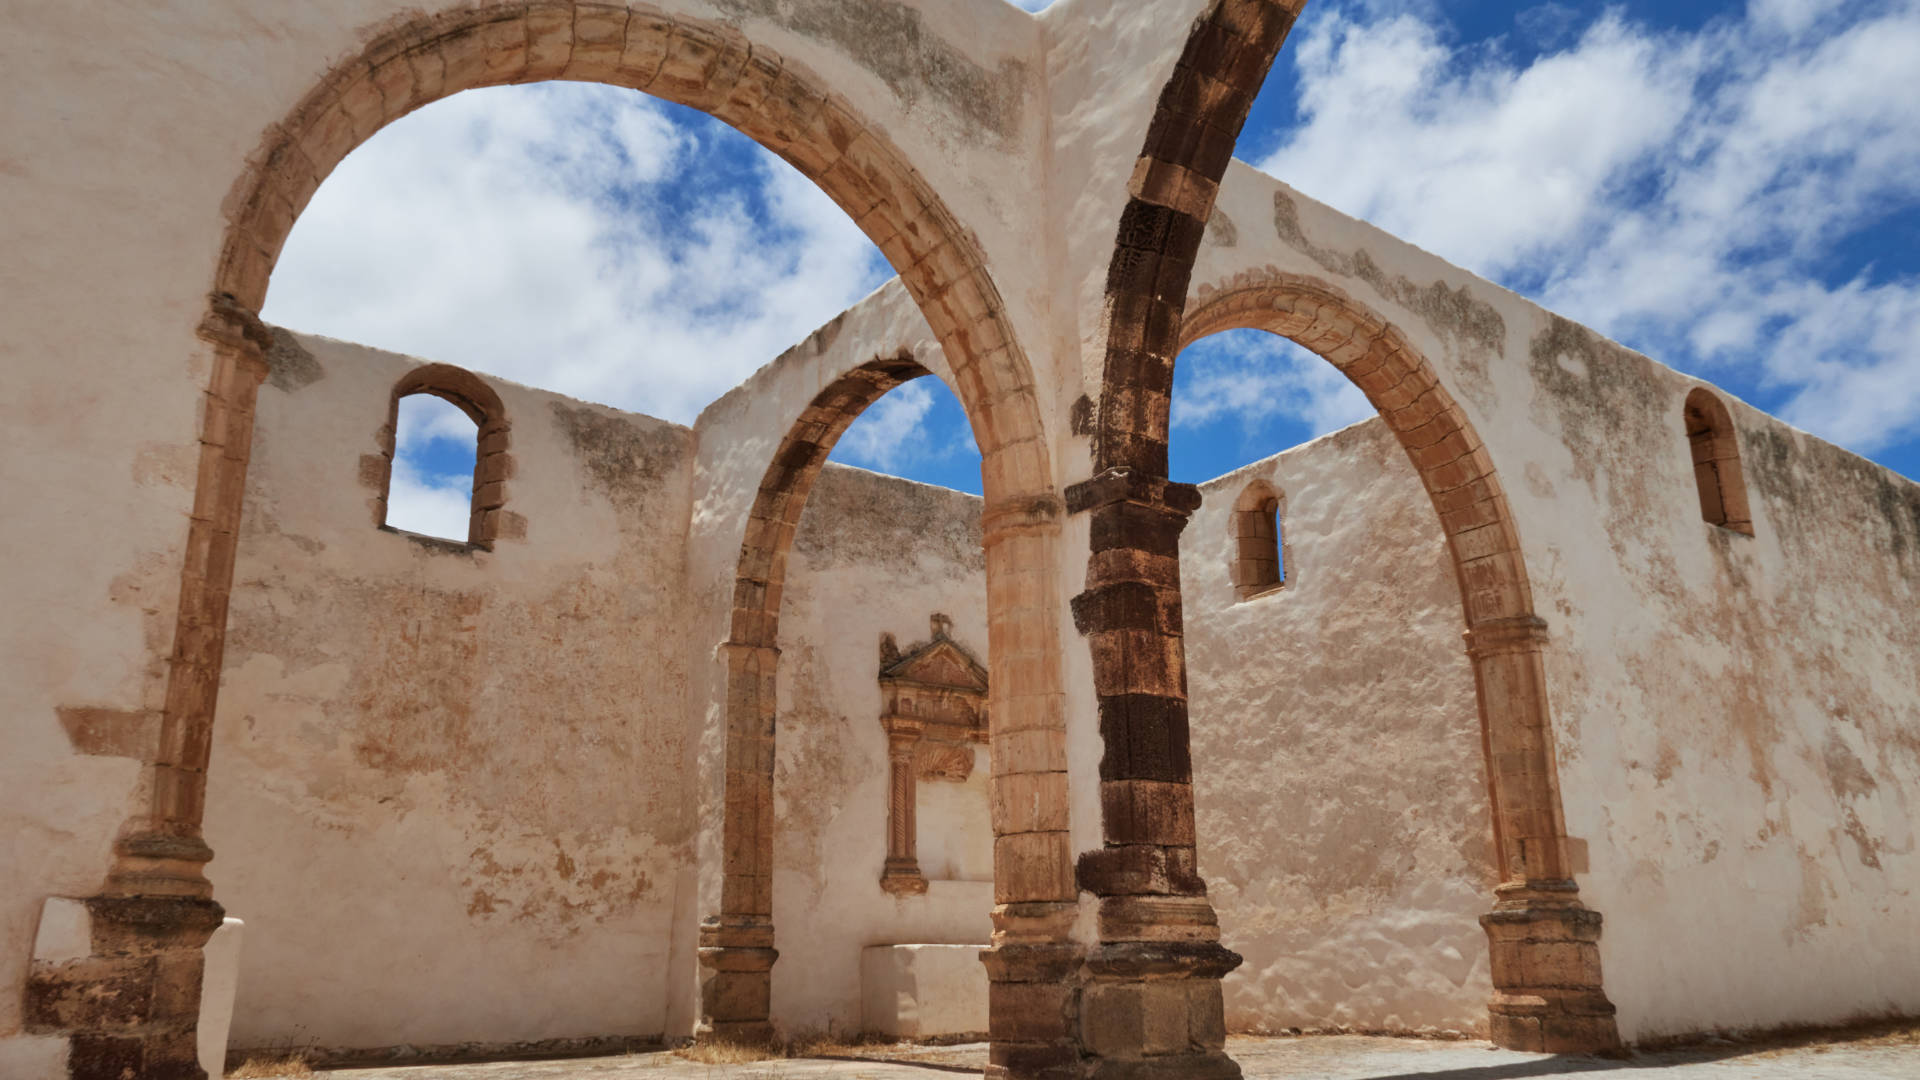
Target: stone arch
x,y
1034,890
1544,950
157,878
492,461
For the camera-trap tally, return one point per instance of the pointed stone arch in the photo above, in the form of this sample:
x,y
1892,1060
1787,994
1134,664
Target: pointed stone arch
x,y
1544,950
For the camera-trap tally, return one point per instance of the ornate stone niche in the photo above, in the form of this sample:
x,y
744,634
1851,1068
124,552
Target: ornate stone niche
x,y
934,709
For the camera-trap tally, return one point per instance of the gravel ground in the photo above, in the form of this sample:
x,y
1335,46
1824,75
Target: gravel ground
x,y
1335,1057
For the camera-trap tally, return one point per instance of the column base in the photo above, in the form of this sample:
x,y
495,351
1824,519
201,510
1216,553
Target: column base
x,y
1031,970
1548,996
1154,1009
121,979
736,990
902,877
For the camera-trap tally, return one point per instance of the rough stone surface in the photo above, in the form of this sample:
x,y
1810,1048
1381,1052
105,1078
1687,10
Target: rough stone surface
x,y
1700,760
1338,785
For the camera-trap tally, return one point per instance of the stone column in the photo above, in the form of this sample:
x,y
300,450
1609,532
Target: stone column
x,y
736,946
1543,944
1033,964
902,875
1150,1001
130,1002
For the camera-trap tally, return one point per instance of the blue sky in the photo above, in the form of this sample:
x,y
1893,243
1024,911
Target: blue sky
x,y
1732,188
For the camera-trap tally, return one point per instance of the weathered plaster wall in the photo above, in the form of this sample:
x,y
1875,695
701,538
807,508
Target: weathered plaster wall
x,y
127,128
873,555
1735,718
446,791
1741,718
1338,783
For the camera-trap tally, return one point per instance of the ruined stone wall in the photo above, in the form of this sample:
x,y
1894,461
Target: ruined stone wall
x,y
1338,783
1734,717
446,791
1740,715
873,555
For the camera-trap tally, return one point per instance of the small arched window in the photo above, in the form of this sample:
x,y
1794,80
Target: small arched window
x,y
1716,463
1259,556
491,464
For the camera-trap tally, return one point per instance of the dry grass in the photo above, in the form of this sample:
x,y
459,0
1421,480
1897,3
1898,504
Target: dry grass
x,y
803,1044
722,1052
277,1065
1781,1041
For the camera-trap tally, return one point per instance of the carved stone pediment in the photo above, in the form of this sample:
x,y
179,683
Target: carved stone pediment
x,y
938,684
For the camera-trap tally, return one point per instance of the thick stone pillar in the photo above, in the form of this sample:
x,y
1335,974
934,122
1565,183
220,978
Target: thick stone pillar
x,y
1033,965
131,999
1543,944
902,876
1150,1001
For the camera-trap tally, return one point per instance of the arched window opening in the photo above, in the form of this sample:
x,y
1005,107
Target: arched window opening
x,y
1716,463
445,446
1259,563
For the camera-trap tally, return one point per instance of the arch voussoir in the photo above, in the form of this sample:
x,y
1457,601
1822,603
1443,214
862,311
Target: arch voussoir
x,y
1543,943
419,59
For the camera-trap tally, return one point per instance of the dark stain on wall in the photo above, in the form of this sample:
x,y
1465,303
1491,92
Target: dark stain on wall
x,y
1220,229
625,460
1472,329
1807,482
1616,398
891,40
290,366
854,517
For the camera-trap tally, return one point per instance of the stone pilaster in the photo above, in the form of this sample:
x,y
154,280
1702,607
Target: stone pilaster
x,y
1033,972
736,946
1543,944
130,1005
902,875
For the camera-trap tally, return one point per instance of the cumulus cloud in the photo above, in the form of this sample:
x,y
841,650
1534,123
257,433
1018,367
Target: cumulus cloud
x,y
431,490
1249,378
917,430
1686,192
579,238
881,437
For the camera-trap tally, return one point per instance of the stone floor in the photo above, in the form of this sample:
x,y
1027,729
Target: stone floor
x,y
1340,1057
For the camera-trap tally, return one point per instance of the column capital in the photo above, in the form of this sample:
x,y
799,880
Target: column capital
x,y
1125,485
1021,515
150,862
228,323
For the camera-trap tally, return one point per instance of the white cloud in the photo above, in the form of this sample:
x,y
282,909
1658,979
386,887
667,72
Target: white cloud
x,y
1250,377
425,419
890,431
431,490
521,231
428,503
1675,190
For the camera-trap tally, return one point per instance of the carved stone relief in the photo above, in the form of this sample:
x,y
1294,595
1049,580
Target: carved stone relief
x,y
934,709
